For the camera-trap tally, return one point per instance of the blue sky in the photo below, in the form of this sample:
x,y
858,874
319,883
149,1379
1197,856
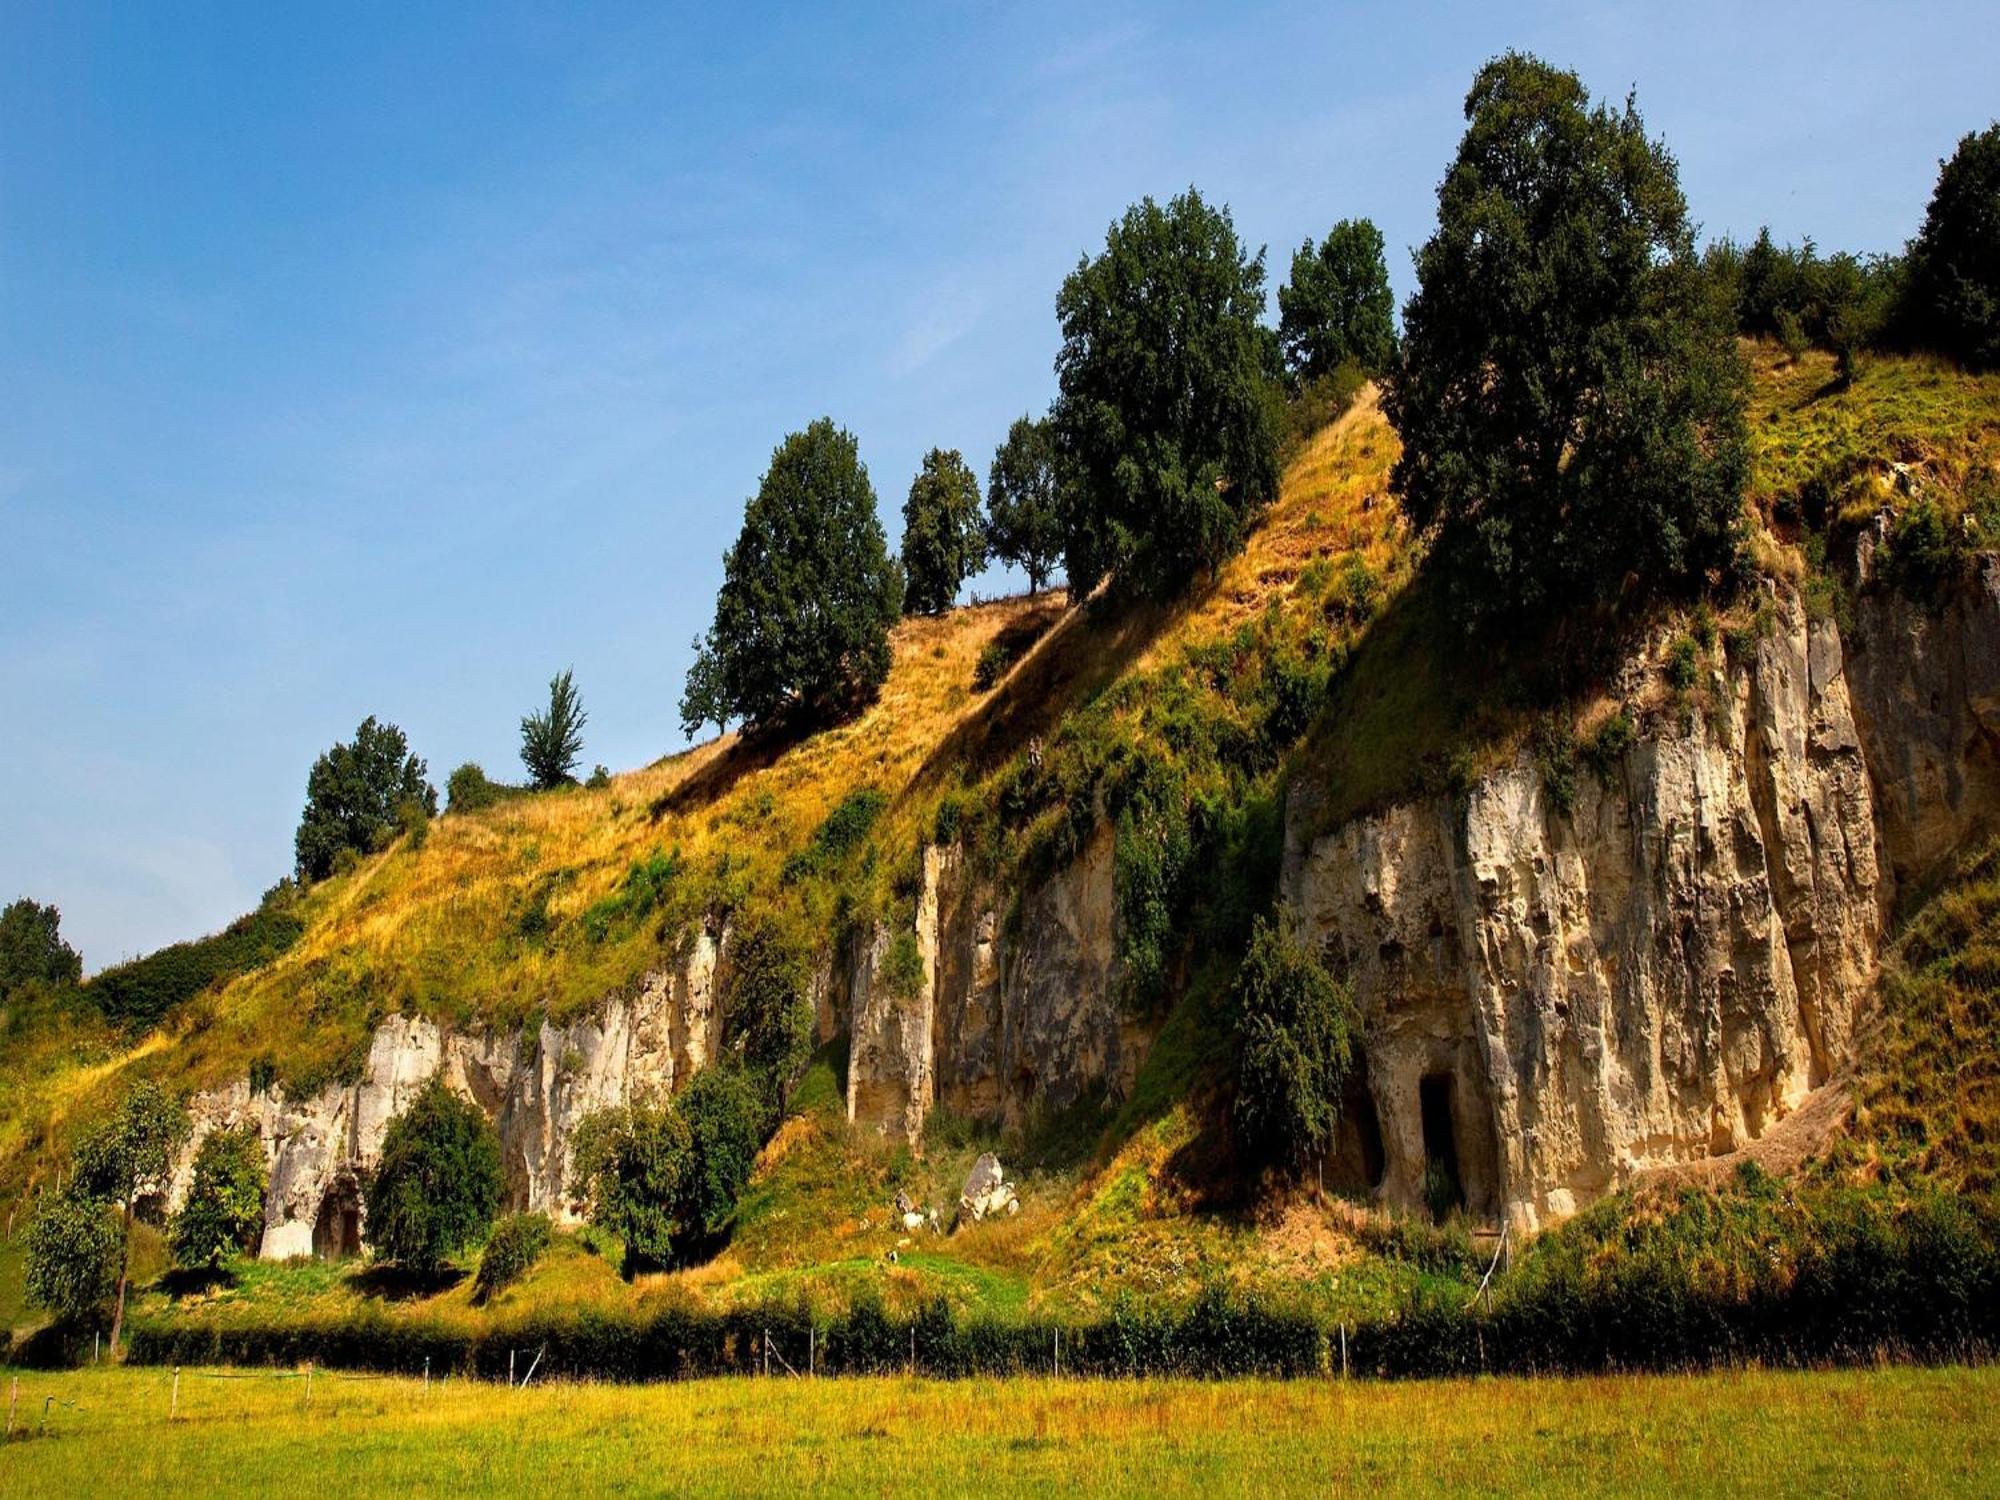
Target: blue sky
x,y
389,362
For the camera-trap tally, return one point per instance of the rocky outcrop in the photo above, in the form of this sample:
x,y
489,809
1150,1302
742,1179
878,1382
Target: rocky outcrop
x,y
1554,1000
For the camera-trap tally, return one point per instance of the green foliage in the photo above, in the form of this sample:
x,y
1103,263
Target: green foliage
x,y
649,886
1163,413
516,1243
1337,309
1605,749
1801,299
1296,1026
32,950
1555,759
809,593
665,1177
1954,280
991,667
1570,398
1926,551
944,536
552,740
1024,501
1155,853
130,1152
73,1256
352,796
599,778
903,966
843,831
142,993
1683,663
224,1211
767,1012
437,1184
469,789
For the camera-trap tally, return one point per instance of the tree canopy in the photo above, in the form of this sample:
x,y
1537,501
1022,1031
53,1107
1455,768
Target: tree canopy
x,y
1954,287
32,950
1570,397
1163,416
1024,524
944,537
224,1211
73,1256
552,740
356,794
1337,308
437,1185
808,596
125,1156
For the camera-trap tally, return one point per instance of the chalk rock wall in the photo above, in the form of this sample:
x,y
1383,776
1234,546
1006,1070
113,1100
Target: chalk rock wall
x,y
1553,1001
536,1085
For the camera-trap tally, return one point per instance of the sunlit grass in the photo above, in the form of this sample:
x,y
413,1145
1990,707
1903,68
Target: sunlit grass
x,y
1901,1432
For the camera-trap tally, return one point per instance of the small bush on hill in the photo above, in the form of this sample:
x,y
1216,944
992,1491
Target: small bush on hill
x,y
32,950
437,1184
469,789
224,1211
516,1243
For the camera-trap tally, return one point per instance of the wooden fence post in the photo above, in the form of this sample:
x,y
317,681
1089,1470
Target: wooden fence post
x,y
13,1396
309,1382
510,1369
1343,1349
427,1374
174,1405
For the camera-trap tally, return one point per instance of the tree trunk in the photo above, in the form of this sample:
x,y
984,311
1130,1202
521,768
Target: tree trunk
x,y
124,1275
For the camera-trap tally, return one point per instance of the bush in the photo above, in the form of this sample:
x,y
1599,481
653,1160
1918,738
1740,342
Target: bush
x,y
1570,400
32,950
516,1243
1925,552
767,1011
469,789
991,667
352,796
224,1211
437,1183
1295,1031
142,993
73,1256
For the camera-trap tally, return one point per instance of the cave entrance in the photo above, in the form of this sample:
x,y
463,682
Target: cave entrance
x,y
1359,1159
1444,1185
337,1230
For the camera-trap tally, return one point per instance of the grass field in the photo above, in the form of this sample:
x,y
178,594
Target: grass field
x,y
1895,1431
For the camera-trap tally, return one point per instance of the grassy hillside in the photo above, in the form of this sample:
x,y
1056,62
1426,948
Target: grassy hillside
x,y
1319,648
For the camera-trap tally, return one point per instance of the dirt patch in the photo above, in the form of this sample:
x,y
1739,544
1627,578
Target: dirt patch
x,y
1782,1150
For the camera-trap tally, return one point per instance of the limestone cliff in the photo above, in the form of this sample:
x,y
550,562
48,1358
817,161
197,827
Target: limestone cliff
x,y
1555,1000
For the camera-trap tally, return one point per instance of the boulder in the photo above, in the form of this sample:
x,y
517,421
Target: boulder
x,y
987,1191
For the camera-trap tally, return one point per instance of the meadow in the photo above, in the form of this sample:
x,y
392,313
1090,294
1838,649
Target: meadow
x,y
1907,1431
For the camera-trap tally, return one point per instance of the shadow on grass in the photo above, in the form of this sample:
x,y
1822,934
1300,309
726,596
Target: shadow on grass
x,y
196,1281
393,1283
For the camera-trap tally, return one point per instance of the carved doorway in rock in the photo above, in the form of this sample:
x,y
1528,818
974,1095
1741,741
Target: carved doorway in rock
x,y
337,1229
1444,1181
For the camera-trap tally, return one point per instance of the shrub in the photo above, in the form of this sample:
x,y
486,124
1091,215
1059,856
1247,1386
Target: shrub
x,y
224,1211
725,1118
1555,759
1924,551
1295,1031
991,667
1607,746
73,1256
142,993
626,1166
469,789
352,796
599,778
648,886
552,739
516,1243
1683,663
1570,398
767,1011
437,1183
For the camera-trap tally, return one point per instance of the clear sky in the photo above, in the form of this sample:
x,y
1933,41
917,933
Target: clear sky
x,y
391,361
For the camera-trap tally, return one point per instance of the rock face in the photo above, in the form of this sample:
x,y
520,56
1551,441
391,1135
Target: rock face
x,y
1553,998
1553,1001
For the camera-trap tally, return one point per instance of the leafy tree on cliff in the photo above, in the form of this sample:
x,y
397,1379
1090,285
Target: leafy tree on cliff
x,y
552,740
1954,264
356,797
32,950
808,596
1337,309
767,1012
224,1211
1295,1034
1163,417
1570,398
437,1185
944,537
1023,502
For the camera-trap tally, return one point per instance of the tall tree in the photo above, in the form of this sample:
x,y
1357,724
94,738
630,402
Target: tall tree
x,y
1023,501
1162,416
355,796
552,740
126,1157
1954,286
1295,1033
1337,309
1570,397
809,593
944,538
32,950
